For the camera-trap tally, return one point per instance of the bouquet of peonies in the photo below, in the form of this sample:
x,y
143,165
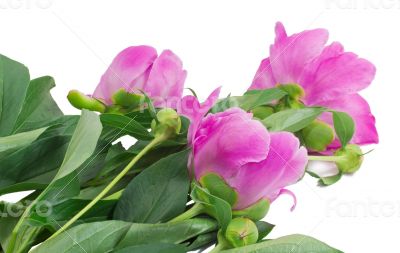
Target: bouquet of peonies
x,y
199,174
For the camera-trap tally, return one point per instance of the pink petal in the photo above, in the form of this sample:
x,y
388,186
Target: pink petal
x,y
264,78
291,194
129,70
357,107
289,55
194,111
166,79
284,165
336,73
227,140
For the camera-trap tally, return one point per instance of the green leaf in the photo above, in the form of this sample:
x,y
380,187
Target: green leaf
x,y
83,143
66,182
249,100
107,236
125,126
291,243
14,81
176,232
45,154
344,126
153,248
292,120
216,207
264,228
39,108
218,187
89,238
11,143
330,180
62,212
158,194
203,241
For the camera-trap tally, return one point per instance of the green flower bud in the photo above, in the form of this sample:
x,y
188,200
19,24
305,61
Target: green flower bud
x,y
317,136
81,101
261,112
349,159
241,232
254,212
294,91
293,99
126,99
168,123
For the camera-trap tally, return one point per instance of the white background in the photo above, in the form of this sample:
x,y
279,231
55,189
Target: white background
x,y
222,43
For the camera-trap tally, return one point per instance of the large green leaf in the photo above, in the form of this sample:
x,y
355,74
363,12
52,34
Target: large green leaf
x,y
344,126
126,126
37,162
202,241
291,243
158,194
39,108
87,238
107,236
62,212
66,182
12,143
83,143
292,120
153,248
24,105
176,232
14,81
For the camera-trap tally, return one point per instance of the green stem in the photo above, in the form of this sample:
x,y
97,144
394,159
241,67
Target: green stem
x,y
103,193
324,158
14,233
218,248
192,212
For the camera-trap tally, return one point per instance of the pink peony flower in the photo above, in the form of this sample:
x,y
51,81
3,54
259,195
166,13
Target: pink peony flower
x,y
329,76
255,163
139,68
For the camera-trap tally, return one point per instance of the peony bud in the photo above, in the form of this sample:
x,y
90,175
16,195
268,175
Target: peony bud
x,y
317,136
241,232
168,122
349,159
81,101
126,99
261,112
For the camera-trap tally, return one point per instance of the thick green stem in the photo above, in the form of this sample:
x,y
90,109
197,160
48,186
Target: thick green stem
x,y
192,212
103,193
324,158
